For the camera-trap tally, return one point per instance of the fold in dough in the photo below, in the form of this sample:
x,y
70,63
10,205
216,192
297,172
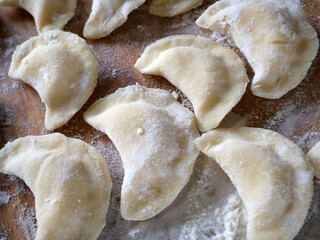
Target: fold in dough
x,y
314,157
170,8
62,68
274,35
212,76
107,15
155,136
48,14
70,182
271,174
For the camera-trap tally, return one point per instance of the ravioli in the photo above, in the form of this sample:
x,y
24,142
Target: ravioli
x,y
170,8
70,182
48,14
275,37
62,68
271,174
212,76
155,136
107,15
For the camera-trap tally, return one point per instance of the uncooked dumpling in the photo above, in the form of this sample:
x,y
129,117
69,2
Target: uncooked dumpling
x,y
314,157
48,14
271,174
170,8
212,76
155,136
70,182
107,15
62,68
274,35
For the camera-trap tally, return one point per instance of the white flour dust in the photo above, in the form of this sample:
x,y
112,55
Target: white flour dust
x,y
27,221
3,233
4,198
207,208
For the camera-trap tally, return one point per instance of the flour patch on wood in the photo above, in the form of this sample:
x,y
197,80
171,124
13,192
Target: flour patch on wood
x,y
26,221
4,198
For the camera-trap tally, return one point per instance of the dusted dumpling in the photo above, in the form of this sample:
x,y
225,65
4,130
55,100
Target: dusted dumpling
x,y
314,157
48,14
274,35
271,174
62,68
170,8
70,182
107,15
212,76
155,136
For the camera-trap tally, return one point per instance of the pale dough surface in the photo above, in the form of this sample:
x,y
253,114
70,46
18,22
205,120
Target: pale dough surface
x,y
70,182
271,174
107,15
275,37
314,157
212,76
62,68
48,14
155,136
170,8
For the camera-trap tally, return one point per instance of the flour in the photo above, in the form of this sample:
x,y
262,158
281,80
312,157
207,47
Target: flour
x,y
4,198
26,221
3,233
287,121
7,47
207,208
223,40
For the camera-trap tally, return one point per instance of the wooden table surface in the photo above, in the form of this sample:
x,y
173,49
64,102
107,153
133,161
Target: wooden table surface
x,y
296,115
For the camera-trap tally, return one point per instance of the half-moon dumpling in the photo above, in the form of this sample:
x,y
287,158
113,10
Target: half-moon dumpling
x,y
170,8
275,36
62,68
212,76
155,136
48,14
70,182
107,15
314,157
271,174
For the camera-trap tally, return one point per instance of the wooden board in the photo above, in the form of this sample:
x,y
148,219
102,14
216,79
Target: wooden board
x,y
296,115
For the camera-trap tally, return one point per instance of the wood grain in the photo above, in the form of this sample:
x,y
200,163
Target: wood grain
x,y
22,112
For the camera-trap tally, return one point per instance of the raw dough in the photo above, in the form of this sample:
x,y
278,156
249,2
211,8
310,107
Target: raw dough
x,y
274,35
48,14
70,182
107,15
314,157
155,136
212,76
271,174
170,8
62,68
